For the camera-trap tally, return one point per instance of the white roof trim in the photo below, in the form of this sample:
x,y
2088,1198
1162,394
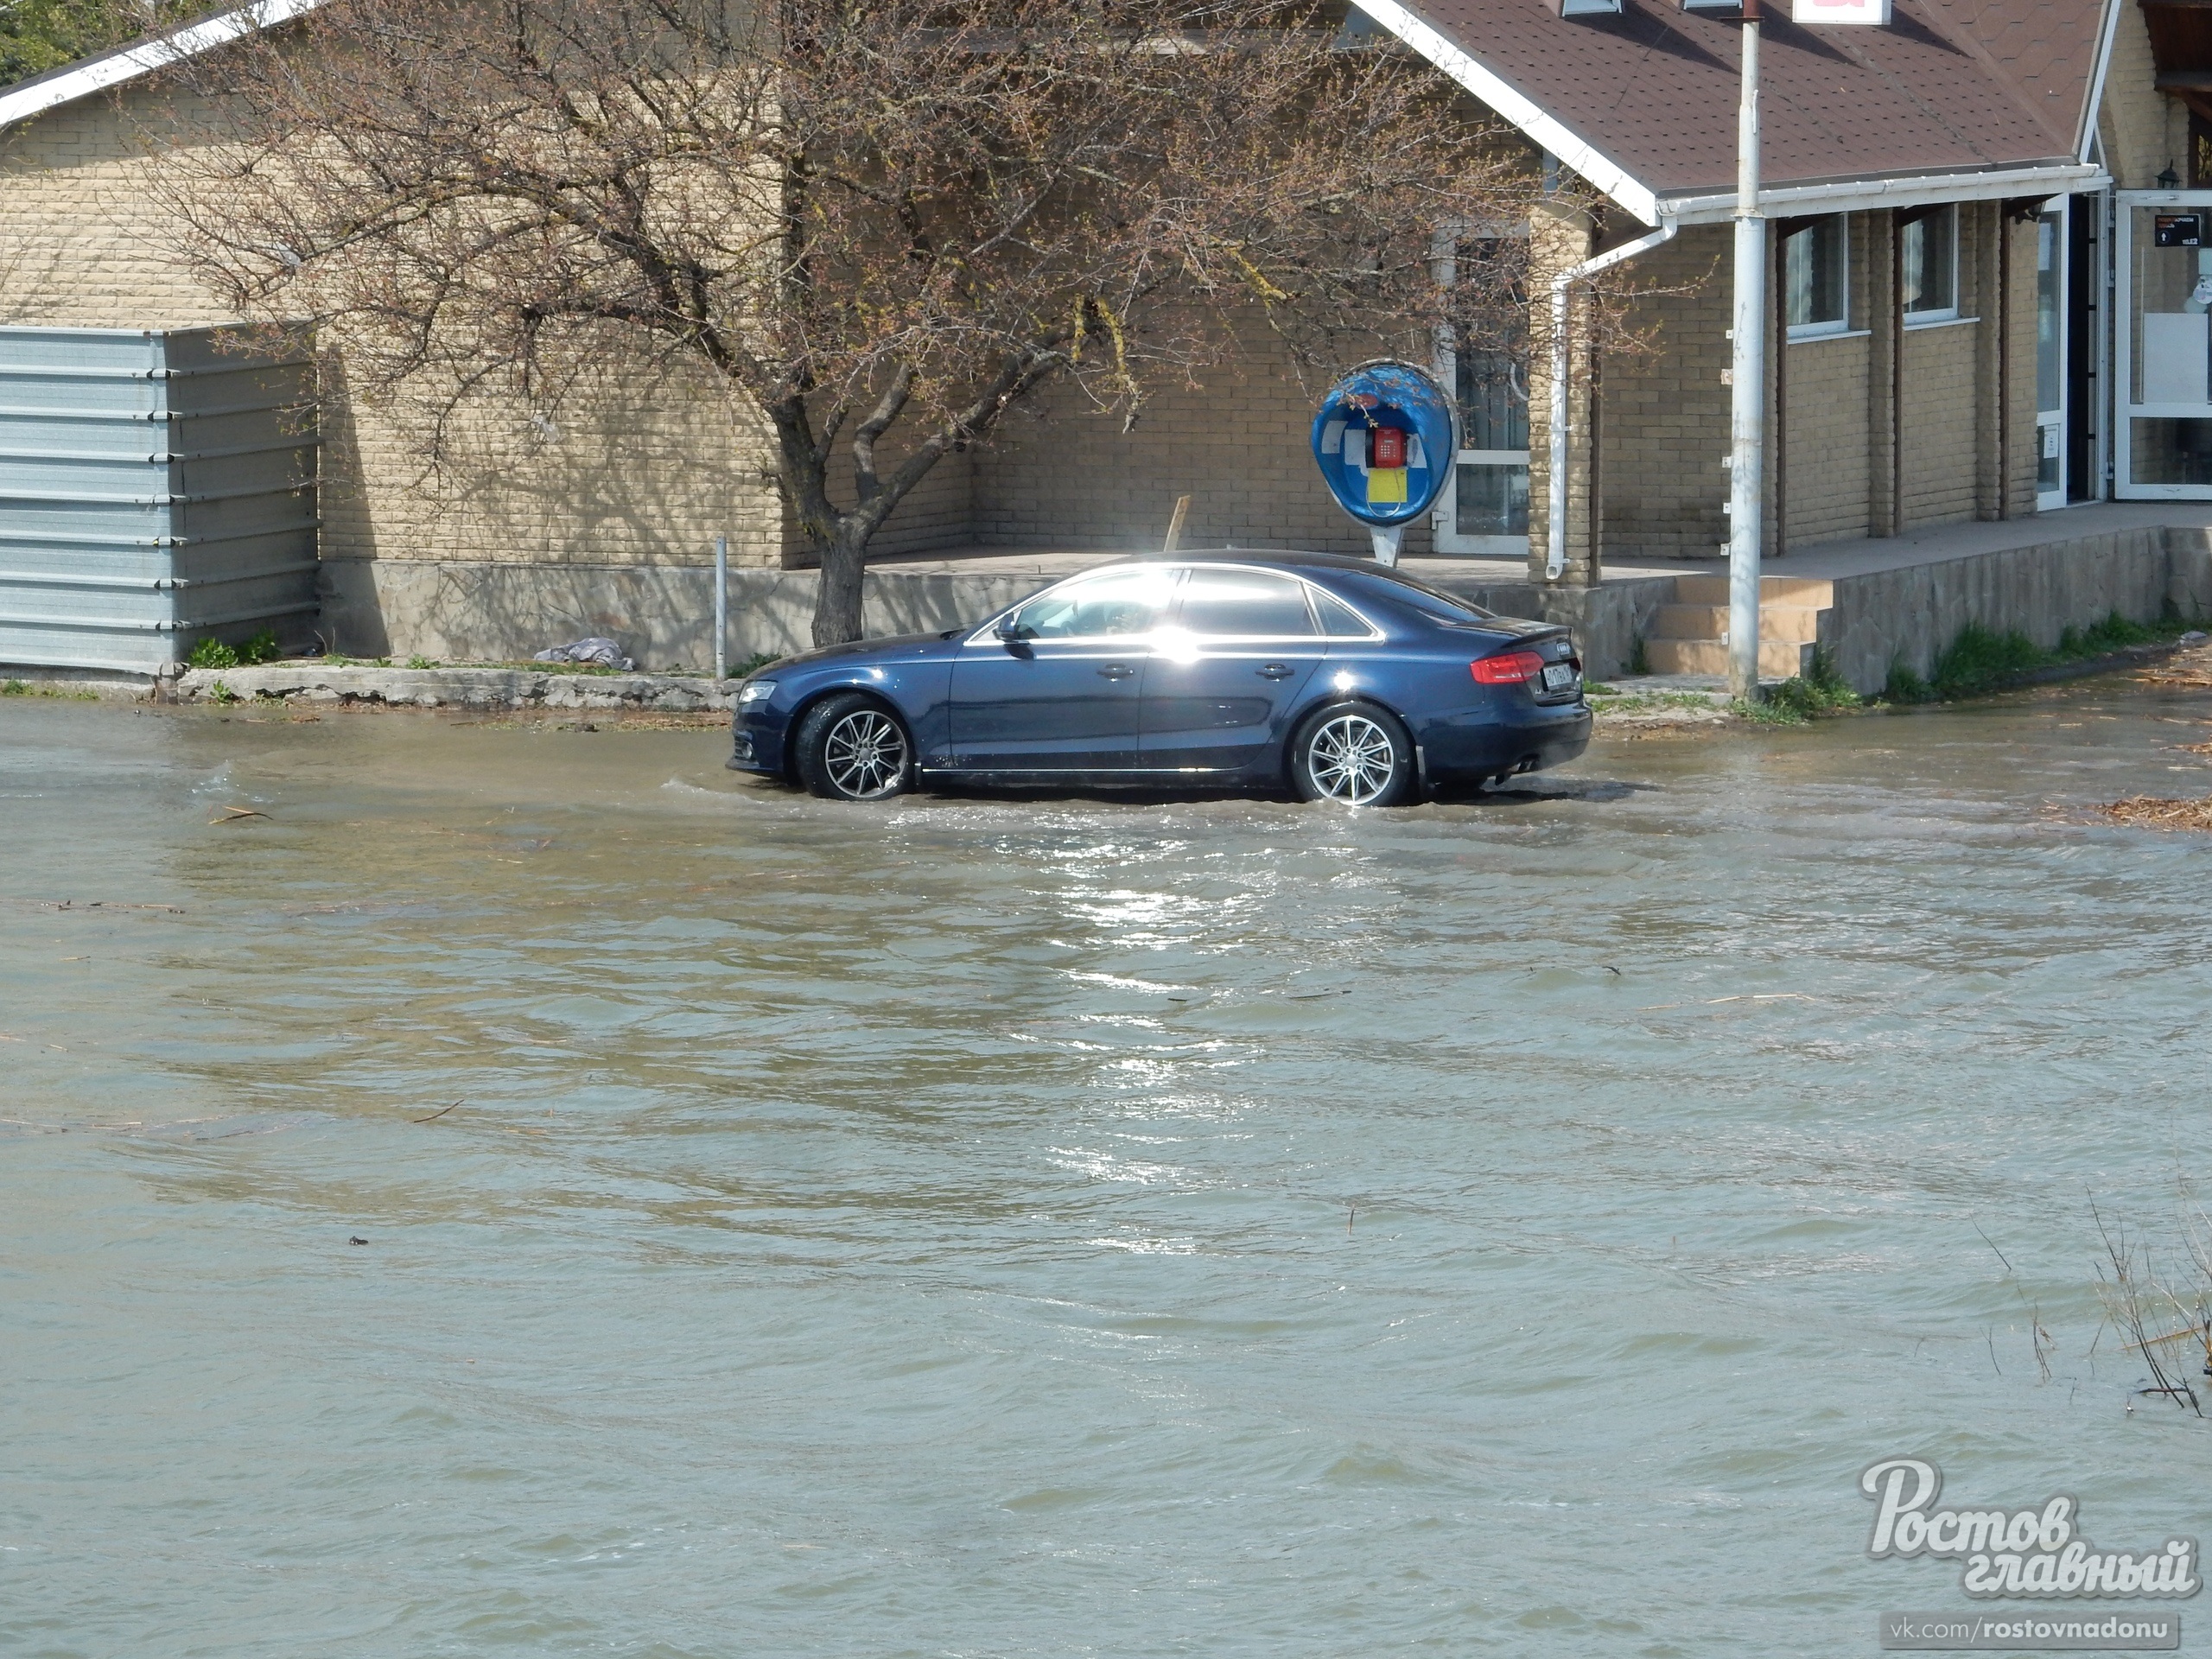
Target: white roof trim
x,y
1575,152
97,74
2088,136
1866,195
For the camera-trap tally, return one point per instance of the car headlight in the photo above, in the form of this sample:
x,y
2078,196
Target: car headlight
x,y
755,691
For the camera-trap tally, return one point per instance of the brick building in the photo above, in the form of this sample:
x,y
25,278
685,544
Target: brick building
x,y
1950,196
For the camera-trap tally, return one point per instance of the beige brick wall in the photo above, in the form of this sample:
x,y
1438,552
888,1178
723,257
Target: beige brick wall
x,y
1664,429
1939,423
2142,129
1062,475
651,472
1825,439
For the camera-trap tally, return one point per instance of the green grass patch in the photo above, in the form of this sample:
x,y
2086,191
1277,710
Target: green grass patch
x,y
1818,691
1981,660
14,688
1618,703
754,664
261,647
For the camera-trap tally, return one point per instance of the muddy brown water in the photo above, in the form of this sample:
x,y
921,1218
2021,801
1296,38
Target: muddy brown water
x,y
1068,1226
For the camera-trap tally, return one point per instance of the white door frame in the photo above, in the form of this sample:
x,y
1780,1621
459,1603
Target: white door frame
x,y
2050,423
2126,411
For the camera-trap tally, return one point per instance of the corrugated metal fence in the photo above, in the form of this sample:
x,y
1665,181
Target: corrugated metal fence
x,y
156,489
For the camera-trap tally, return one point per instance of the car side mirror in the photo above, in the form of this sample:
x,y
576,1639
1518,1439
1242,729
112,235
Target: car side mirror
x,y
1009,631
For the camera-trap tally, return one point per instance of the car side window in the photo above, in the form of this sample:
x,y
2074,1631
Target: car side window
x,y
1338,619
1118,603
1245,604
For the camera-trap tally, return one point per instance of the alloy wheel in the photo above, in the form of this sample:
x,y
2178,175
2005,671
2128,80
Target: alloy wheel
x,y
865,755
1350,760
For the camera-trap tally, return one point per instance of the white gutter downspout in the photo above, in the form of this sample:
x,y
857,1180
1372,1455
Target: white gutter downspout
x,y
1555,514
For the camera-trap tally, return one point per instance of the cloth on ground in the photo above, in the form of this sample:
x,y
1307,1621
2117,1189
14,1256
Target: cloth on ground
x,y
598,653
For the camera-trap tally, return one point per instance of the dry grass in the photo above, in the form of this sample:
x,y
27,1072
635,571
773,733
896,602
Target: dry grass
x,y
2149,812
2185,668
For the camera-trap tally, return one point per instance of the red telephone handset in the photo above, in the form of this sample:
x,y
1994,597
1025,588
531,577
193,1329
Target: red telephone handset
x,y
1387,448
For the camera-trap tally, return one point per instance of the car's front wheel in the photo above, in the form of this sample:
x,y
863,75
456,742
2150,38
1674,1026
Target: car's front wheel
x,y
852,748
1353,753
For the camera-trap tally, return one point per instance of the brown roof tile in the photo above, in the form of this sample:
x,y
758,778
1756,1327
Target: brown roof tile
x,y
1950,86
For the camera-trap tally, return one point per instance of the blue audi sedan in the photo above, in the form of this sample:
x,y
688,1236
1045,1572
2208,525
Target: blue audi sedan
x,y
1338,679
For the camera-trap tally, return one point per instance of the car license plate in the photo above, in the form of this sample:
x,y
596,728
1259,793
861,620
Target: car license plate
x,y
1558,676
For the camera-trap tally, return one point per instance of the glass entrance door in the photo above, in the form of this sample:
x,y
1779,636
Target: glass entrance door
x,y
2164,355
1484,507
2051,245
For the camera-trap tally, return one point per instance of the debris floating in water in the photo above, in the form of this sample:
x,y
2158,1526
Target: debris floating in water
x,y
2152,813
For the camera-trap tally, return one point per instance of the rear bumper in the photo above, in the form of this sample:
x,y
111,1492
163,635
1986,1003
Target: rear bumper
x,y
1479,743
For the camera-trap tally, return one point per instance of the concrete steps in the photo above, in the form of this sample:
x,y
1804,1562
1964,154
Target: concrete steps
x,y
1690,635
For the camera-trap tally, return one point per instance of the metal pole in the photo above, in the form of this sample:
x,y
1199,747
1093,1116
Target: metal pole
x,y
1747,417
721,608
1555,496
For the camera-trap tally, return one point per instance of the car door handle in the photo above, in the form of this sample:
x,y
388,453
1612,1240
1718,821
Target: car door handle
x,y
1116,671
1276,670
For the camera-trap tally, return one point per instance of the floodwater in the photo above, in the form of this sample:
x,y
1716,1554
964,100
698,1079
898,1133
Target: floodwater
x,y
1069,1227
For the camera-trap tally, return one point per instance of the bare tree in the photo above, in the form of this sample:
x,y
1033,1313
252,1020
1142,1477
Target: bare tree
x,y
882,224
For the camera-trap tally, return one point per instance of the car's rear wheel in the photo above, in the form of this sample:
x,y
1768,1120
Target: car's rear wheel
x,y
852,748
1354,754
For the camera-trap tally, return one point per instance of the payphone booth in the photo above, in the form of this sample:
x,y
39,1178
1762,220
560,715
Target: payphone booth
x,y
2163,379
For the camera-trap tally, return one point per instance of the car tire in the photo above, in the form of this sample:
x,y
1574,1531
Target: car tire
x,y
1353,754
852,748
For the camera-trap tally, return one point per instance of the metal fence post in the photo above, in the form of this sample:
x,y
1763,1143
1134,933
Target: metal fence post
x,y
721,608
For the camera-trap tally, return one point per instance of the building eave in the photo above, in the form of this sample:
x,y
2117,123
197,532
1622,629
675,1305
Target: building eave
x,y
2085,140
2054,178
1575,152
143,58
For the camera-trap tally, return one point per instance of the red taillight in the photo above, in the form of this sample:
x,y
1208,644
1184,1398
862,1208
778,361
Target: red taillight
x,y
1510,669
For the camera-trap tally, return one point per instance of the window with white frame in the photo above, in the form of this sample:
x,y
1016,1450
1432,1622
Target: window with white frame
x,y
1484,507
1816,266
1928,266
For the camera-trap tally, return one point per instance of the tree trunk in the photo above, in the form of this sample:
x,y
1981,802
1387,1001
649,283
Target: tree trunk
x,y
837,601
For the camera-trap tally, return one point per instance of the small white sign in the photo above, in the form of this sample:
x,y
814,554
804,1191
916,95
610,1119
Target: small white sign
x,y
1841,11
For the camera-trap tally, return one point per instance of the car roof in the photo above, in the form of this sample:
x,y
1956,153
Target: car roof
x,y
1252,556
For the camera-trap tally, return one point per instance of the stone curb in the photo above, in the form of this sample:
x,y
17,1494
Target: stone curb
x,y
454,688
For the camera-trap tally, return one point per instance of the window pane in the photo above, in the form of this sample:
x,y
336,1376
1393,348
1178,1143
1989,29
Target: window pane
x,y
1244,603
1493,399
2170,452
1492,499
1929,270
1338,619
1813,267
1127,601
1402,589
1493,384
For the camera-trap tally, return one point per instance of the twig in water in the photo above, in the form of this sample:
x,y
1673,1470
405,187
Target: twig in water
x,y
435,1115
1988,1241
1989,1336
232,814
